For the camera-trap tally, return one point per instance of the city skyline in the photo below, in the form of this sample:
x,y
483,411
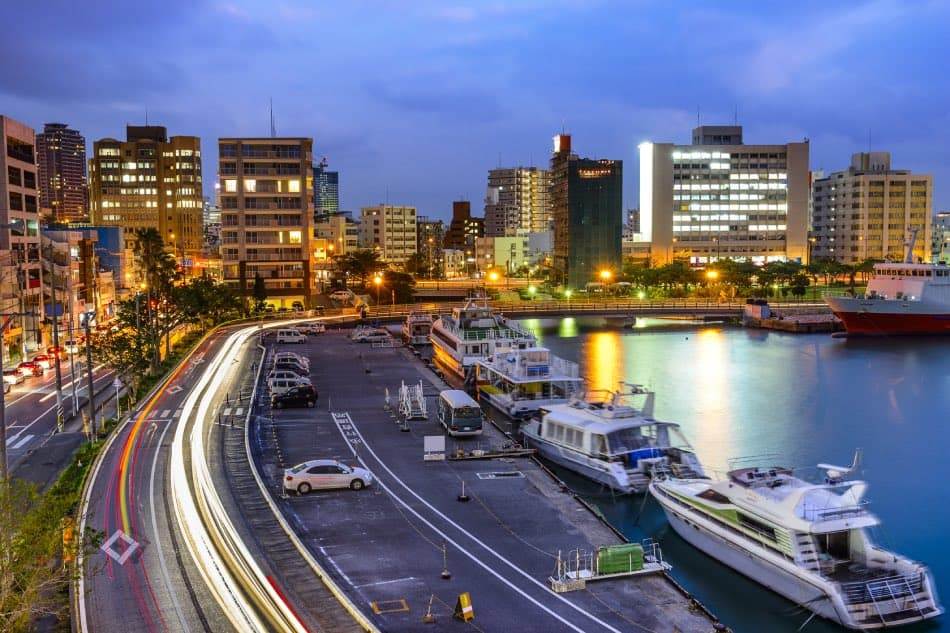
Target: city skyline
x,y
483,78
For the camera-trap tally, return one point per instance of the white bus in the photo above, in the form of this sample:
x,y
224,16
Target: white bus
x,y
460,414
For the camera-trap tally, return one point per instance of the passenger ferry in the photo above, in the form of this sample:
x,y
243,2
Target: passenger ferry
x,y
473,332
521,382
416,328
901,298
605,437
805,541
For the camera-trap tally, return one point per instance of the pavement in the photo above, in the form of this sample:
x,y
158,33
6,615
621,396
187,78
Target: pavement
x,y
387,546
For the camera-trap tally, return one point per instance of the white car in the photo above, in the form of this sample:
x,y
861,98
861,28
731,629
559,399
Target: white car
x,y
341,295
13,376
312,328
370,335
302,360
325,474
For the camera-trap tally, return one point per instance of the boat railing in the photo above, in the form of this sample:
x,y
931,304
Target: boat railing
x,y
816,513
886,589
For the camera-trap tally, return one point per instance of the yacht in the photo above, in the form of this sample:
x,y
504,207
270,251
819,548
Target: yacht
x,y
473,332
520,382
611,438
901,298
805,541
416,328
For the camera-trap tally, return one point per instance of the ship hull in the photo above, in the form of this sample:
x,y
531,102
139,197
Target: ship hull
x,y
875,317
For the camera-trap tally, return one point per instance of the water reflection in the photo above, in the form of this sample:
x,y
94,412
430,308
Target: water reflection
x,y
603,360
712,435
567,328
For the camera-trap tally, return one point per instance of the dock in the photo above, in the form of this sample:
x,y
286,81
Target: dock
x,y
406,548
810,320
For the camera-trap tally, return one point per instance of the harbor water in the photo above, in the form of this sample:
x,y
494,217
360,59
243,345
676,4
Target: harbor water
x,y
803,399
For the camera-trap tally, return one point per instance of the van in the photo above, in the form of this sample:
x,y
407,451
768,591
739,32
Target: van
x,y
278,386
459,414
292,357
282,373
290,336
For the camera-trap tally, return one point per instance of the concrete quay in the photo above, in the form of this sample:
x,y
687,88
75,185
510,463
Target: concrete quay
x,y
386,547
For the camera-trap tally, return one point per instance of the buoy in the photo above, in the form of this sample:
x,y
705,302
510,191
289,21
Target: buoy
x,y
463,497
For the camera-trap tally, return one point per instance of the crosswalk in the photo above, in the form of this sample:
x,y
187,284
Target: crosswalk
x,y
163,414
17,442
237,411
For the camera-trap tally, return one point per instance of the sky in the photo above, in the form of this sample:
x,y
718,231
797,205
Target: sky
x,y
414,101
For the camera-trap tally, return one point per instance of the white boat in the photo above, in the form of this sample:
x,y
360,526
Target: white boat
x,y
521,382
473,332
805,541
901,298
606,437
416,328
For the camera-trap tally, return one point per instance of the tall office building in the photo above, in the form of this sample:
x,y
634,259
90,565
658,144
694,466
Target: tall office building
x,y
720,198
150,181
390,230
941,237
868,211
517,199
464,228
267,217
587,201
326,190
20,237
61,162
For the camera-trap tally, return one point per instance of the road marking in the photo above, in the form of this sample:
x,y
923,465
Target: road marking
x,y
239,411
20,443
384,582
177,413
226,412
23,428
80,382
345,417
165,413
174,389
130,546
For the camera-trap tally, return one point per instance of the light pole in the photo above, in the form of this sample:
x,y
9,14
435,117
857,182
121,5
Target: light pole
x,y
59,374
378,280
88,317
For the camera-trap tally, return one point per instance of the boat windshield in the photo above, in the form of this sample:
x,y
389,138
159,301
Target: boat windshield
x,y
626,440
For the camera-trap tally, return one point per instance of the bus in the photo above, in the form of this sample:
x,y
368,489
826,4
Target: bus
x,y
459,414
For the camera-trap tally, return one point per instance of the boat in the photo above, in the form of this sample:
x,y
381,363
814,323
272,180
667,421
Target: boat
x,y
901,298
416,328
805,540
473,332
607,436
521,382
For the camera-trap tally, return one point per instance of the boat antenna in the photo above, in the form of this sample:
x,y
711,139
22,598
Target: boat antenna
x,y
909,243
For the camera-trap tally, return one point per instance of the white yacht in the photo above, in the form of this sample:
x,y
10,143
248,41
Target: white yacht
x,y
805,541
606,437
473,332
416,328
520,382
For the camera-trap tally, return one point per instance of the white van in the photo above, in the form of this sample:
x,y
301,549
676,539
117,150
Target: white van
x,y
278,386
290,336
303,361
459,413
282,374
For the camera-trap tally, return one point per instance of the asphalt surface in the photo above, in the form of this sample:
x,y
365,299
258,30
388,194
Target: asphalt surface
x,y
149,582
388,545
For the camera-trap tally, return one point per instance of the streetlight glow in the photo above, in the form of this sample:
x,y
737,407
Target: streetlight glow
x,y
712,274
605,275
493,276
532,290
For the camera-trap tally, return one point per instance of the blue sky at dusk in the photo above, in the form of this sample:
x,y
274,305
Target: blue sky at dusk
x,y
419,99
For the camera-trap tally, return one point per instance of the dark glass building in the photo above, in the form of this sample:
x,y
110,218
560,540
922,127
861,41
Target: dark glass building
x,y
61,161
587,201
326,190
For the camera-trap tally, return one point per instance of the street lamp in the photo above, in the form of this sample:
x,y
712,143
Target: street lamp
x,y
493,276
712,275
378,280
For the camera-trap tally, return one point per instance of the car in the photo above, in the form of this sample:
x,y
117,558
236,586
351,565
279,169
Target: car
x,y
270,309
297,305
277,386
291,366
12,376
282,373
325,474
341,295
370,335
291,335
311,328
56,352
303,361
29,368
300,396
44,360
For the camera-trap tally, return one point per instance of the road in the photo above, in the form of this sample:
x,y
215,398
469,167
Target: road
x,y
31,422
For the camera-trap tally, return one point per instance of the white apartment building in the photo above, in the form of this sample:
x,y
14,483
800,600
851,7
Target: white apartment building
x,y
267,217
720,198
390,230
517,199
340,231
868,211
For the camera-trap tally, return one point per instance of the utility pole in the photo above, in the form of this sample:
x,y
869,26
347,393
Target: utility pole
x,y
87,317
72,340
59,374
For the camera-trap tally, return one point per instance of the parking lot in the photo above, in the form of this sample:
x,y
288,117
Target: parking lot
x,y
387,546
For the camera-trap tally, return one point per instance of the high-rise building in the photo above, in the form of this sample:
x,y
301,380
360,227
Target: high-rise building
x,y
464,228
430,236
868,211
326,190
390,230
720,198
517,199
587,201
150,181
61,162
20,237
267,217
941,237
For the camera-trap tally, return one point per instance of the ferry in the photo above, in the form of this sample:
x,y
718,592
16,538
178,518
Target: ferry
x,y
521,382
806,541
416,328
473,332
901,298
606,437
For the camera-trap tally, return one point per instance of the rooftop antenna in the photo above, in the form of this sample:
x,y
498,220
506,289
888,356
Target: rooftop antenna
x,y
697,117
735,116
273,128
146,116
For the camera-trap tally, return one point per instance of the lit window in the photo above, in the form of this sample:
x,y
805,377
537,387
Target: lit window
x,y
294,237
230,186
250,185
293,186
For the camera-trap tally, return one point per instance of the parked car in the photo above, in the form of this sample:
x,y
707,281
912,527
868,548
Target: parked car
x,y
45,360
292,357
281,373
269,308
29,368
341,295
297,305
12,376
291,366
325,474
312,328
278,386
370,335
300,396
290,336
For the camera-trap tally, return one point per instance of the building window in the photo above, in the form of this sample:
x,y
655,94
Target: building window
x,y
14,176
230,185
250,185
16,201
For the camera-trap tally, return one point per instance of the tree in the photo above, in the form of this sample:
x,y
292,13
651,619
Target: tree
x,y
204,302
417,265
125,350
400,283
259,293
361,264
799,285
